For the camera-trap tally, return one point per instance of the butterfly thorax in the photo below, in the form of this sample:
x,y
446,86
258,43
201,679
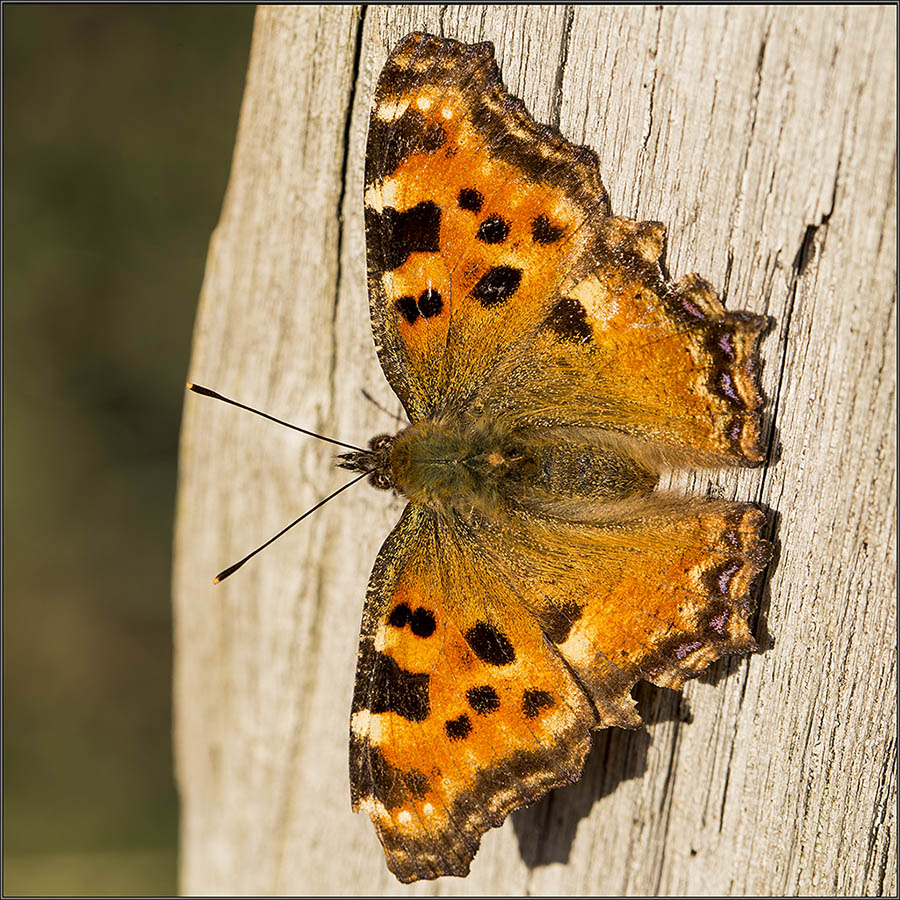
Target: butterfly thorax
x,y
458,463
467,464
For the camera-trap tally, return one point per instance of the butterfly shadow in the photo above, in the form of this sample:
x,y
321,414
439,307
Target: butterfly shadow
x,y
545,831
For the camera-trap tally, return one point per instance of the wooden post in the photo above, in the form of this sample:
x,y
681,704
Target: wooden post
x,y
765,138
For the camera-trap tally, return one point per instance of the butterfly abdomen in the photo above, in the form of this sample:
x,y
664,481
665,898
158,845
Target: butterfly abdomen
x,y
583,469
467,464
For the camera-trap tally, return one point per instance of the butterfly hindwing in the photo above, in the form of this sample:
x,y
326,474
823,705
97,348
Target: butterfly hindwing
x,y
661,588
662,367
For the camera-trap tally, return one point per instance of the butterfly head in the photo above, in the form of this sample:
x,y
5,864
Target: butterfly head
x,y
376,461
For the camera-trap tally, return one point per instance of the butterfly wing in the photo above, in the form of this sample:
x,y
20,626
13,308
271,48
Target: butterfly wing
x,y
660,587
663,370
485,662
452,725
498,277
470,204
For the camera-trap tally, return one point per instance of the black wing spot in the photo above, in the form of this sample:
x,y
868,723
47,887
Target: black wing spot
x,y
494,230
497,285
542,232
422,623
534,700
395,690
490,644
408,309
430,303
557,621
415,230
470,199
483,699
568,320
458,729
400,616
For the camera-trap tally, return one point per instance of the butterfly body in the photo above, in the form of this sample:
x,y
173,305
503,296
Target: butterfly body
x,y
462,464
551,372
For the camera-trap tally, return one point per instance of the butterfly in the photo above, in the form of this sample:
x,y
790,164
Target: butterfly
x,y
551,373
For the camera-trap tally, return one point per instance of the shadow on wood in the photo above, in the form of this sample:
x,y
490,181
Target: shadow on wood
x,y
545,831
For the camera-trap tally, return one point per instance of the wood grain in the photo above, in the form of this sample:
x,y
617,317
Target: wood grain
x,y
765,138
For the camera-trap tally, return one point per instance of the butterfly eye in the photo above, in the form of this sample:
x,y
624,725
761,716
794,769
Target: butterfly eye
x,y
380,441
381,481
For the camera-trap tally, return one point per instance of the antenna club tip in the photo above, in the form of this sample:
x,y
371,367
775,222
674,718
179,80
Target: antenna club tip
x,y
216,580
189,385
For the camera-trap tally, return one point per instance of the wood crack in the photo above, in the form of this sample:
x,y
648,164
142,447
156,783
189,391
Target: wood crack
x,y
342,193
665,805
649,129
556,102
751,129
726,281
804,255
886,774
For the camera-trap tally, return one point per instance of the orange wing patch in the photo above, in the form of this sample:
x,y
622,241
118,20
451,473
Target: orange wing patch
x,y
682,369
668,593
660,366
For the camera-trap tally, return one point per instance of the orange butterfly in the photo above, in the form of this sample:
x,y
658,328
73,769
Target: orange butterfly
x,y
550,373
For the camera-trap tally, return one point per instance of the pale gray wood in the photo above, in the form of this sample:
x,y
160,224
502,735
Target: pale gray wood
x,y
764,137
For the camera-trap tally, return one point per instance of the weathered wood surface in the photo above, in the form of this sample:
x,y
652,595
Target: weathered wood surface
x,y
765,139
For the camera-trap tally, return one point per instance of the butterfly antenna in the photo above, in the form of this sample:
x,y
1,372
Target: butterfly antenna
x,y
232,569
206,392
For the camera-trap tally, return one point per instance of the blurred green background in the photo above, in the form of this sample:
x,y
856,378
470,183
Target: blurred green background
x,y
119,126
